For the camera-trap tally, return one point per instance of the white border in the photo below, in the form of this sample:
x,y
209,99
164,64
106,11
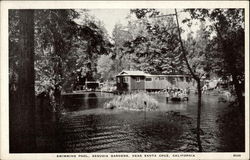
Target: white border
x,y
5,5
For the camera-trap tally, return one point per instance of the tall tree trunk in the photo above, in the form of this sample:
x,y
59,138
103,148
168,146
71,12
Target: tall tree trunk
x,y
22,116
199,116
197,79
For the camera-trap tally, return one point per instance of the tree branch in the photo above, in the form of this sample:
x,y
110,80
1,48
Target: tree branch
x,y
183,49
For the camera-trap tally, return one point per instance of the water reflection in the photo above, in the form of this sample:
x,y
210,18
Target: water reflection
x,y
92,99
73,102
87,127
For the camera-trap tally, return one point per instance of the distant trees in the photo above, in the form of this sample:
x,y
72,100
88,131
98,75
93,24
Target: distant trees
x,y
117,59
160,53
199,52
61,47
68,46
153,43
105,67
120,36
229,44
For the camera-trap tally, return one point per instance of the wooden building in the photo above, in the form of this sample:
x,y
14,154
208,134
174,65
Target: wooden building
x,y
138,80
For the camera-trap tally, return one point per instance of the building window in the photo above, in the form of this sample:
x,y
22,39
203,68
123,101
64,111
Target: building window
x,y
188,79
125,79
137,79
171,80
148,79
161,78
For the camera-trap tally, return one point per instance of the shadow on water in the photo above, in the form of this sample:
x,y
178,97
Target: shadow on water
x,y
73,102
80,102
92,99
46,127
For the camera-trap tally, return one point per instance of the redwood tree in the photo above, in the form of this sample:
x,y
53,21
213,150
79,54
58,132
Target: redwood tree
x,y
22,111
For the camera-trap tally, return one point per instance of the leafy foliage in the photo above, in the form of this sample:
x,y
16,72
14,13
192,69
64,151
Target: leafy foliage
x,y
200,52
153,45
61,47
228,24
105,67
149,12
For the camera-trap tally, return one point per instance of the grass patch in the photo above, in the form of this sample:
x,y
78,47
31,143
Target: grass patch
x,y
134,102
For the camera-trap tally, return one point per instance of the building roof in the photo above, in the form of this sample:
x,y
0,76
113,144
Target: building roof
x,y
141,73
133,73
170,75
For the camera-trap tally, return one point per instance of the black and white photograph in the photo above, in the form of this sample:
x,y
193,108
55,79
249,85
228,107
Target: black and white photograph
x,y
133,80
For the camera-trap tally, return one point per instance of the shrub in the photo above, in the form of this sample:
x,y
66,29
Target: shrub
x,y
135,101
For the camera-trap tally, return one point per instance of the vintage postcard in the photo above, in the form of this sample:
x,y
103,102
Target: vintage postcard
x,y
124,80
